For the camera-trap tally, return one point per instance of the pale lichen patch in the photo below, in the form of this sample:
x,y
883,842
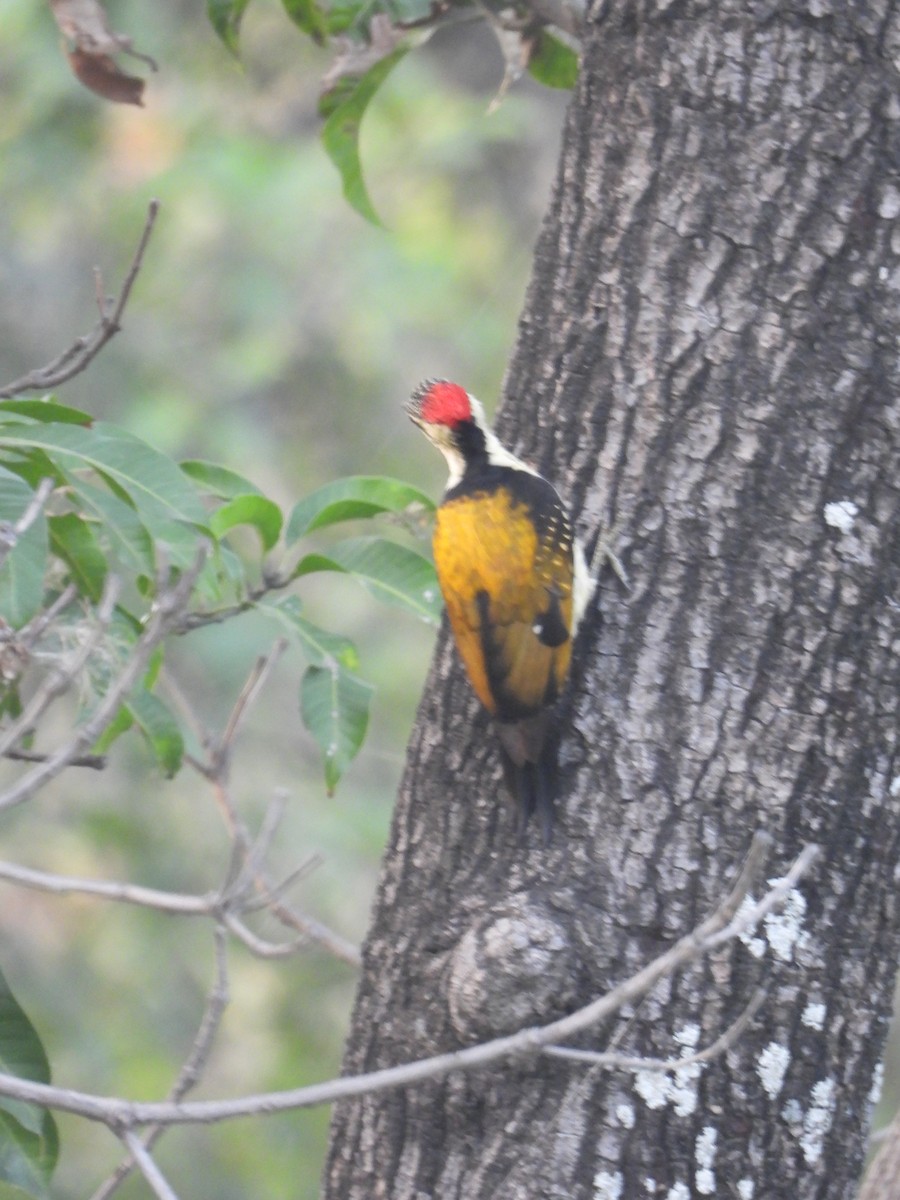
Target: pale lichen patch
x,y
678,1089
889,203
814,1015
771,1068
608,1185
877,1082
792,1112
625,1115
756,945
678,1191
705,1155
653,1088
840,515
745,1189
784,929
818,1120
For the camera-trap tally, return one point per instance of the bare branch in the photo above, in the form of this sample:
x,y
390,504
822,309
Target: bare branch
x,y
259,946
268,897
10,533
189,1075
61,677
705,937
256,854
308,928
624,1062
86,348
565,15
256,681
96,762
159,1185
29,634
126,893
216,770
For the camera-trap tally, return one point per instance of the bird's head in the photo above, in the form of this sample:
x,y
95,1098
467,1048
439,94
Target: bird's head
x,y
454,421
439,407
451,419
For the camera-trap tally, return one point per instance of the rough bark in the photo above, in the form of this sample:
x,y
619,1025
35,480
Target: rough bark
x,y
709,357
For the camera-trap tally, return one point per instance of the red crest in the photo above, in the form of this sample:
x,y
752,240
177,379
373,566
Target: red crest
x,y
443,403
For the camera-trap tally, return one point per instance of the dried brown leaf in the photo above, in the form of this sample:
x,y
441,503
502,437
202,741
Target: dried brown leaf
x,y
100,73
91,44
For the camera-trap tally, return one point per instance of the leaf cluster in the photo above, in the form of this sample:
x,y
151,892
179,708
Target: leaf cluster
x,y
119,506
369,38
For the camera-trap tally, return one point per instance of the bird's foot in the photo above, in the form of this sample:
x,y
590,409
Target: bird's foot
x,y
605,552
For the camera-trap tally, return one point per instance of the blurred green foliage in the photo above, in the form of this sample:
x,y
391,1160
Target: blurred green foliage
x,y
274,332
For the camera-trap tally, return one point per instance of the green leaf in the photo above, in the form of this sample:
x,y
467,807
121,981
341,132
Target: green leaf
x,y
319,645
348,499
334,705
121,723
158,725
10,700
218,481
119,527
74,541
309,17
154,484
33,466
225,18
392,573
22,570
46,410
263,514
340,133
29,1144
553,63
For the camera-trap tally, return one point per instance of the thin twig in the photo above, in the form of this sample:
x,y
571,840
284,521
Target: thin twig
x,y
74,360
260,946
166,610
96,762
189,1075
159,1185
254,684
30,633
308,928
61,677
268,897
126,893
256,854
216,771
705,937
10,533
625,1062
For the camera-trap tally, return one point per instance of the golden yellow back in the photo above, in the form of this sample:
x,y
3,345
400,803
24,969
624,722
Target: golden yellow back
x,y
500,570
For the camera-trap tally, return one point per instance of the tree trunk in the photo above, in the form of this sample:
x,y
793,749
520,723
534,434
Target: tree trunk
x,y
709,358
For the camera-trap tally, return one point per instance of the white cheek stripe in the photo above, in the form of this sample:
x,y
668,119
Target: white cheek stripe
x,y
583,586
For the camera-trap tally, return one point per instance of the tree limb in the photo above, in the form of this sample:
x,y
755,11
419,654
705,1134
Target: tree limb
x,y
726,920
86,348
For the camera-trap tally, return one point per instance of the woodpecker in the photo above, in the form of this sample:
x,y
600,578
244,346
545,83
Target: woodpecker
x,y
515,583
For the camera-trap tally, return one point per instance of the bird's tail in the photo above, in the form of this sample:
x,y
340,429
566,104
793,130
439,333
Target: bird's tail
x,y
530,763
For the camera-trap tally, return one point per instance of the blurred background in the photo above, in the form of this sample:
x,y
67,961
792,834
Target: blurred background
x,y
274,331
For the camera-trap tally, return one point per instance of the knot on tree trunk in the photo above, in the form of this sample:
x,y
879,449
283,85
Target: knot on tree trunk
x,y
517,967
